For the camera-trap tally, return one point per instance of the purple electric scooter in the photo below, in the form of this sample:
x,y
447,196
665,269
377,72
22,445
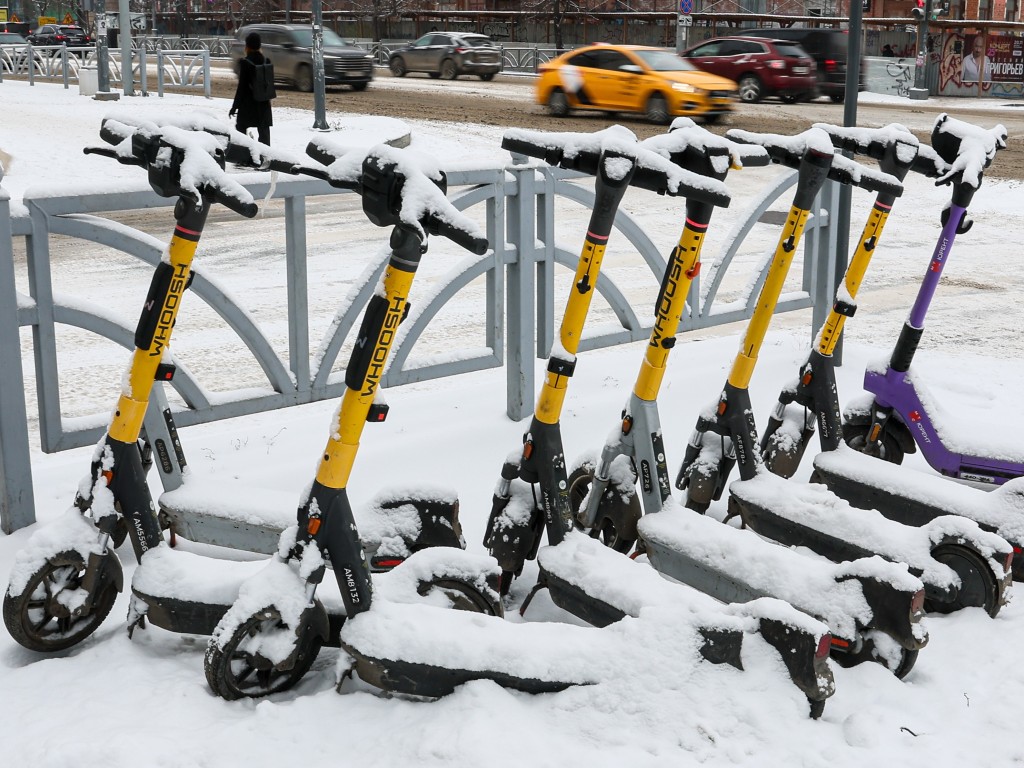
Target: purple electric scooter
x,y
899,416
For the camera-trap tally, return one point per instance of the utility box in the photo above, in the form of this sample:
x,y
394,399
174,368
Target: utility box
x,y
88,81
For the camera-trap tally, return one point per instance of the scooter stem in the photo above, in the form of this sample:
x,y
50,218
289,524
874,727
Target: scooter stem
x,y
935,267
153,333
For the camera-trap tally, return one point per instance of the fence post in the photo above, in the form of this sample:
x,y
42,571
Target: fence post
x,y
206,73
17,506
521,224
823,253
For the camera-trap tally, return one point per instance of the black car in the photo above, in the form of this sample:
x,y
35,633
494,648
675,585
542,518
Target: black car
x,y
60,34
828,47
290,49
448,55
22,28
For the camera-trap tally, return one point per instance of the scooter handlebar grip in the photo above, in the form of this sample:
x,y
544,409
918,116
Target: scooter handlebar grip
x,y
242,207
584,161
457,235
107,152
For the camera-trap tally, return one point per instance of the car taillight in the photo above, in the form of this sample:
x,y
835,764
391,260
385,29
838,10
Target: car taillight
x,y
824,646
830,65
460,49
776,64
917,602
60,37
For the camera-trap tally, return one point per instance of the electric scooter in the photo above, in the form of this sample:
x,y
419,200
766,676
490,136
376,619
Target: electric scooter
x,y
64,582
798,516
902,414
584,577
863,606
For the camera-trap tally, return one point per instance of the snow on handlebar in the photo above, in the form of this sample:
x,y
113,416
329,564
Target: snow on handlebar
x,y
790,151
180,162
583,151
398,186
907,150
968,149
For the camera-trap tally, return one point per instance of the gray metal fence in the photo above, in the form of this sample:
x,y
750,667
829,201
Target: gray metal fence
x,y
181,69
519,320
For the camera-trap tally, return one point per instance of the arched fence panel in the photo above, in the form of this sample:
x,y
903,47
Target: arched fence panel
x,y
296,358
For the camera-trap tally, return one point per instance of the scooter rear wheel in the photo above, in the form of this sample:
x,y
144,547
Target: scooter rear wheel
x,y
236,669
465,597
42,618
856,436
978,588
617,517
906,661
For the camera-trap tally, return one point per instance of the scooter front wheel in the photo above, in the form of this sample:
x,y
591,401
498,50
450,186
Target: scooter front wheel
x,y
856,436
701,487
978,588
238,669
618,513
50,615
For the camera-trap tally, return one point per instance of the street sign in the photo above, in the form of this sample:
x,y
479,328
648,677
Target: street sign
x,y
686,21
68,19
685,7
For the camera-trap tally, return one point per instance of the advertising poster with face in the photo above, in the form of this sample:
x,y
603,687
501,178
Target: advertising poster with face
x,y
992,59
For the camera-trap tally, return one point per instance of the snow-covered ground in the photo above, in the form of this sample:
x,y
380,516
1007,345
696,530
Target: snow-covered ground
x,y
115,702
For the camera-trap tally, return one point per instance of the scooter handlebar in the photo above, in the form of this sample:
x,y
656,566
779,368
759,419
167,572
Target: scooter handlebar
x,y
219,194
665,180
791,150
107,152
891,143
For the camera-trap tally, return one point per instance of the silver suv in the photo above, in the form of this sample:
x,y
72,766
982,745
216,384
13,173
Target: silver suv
x,y
448,55
290,49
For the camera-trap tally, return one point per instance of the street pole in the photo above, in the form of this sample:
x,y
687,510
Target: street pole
x,y
842,255
920,89
319,96
125,37
102,58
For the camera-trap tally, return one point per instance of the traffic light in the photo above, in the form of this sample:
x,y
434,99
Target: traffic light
x,y
865,5
940,8
918,9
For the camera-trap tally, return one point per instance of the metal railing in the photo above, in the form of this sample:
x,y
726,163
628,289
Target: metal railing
x,y
180,69
518,321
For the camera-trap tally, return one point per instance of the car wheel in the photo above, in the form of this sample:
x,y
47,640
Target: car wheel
x,y
434,75
657,109
359,86
558,103
837,98
449,71
750,89
304,78
397,67
712,119
789,99
487,77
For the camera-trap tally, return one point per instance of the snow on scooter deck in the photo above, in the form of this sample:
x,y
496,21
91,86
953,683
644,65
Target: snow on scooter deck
x,y
811,515
921,496
692,548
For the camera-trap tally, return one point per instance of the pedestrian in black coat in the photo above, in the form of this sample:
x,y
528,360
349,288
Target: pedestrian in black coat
x,y
251,113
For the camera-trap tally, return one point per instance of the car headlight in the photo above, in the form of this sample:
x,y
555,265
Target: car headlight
x,y
368,56
686,88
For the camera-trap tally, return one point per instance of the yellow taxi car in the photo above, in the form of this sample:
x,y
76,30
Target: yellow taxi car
x,y
633,78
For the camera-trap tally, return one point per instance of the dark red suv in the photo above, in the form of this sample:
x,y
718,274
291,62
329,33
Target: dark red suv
x,y
760,67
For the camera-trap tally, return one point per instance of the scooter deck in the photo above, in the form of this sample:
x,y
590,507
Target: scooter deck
x,y
251,520
739,566
406,648
916,498
810,515
601,586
